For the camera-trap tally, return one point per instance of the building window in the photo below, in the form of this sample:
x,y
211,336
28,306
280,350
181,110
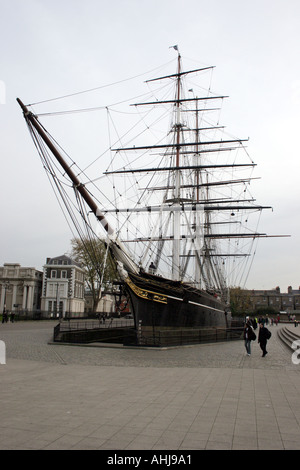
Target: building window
x,y
64,274
53,274
51,290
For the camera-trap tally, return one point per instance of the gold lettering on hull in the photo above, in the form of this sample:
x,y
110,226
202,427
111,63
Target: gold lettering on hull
x,y
146,294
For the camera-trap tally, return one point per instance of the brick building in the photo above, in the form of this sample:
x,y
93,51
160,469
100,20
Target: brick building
x,y
280,301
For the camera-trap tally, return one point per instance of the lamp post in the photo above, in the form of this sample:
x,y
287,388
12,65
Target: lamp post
x,y
57,300
4,314
6,286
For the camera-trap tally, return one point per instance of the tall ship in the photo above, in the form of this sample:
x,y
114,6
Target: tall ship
x,y
174,202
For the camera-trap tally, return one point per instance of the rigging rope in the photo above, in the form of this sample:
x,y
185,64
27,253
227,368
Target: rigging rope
x,y
85,232
99,87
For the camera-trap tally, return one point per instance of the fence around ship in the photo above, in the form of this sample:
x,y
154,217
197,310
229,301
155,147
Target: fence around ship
x,y
185,336
122,331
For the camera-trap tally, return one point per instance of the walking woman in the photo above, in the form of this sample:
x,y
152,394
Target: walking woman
x,y
249,335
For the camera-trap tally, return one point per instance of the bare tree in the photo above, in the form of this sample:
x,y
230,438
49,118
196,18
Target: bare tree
x,y
100,271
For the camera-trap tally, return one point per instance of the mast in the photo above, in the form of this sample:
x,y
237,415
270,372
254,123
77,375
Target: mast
x,y
176,215
198,180
117,247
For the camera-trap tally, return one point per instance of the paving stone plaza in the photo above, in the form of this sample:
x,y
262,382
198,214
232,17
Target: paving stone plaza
x,y
209,396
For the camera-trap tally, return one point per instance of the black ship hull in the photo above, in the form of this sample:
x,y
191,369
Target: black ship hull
x,y
159,302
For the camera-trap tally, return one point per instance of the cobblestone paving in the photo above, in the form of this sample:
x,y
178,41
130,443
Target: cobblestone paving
x,y
30,341
209,396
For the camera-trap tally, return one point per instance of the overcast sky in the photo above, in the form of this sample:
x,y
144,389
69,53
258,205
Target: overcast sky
x,y
51,48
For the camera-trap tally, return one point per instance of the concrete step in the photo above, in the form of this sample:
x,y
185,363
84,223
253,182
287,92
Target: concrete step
x,y
288,336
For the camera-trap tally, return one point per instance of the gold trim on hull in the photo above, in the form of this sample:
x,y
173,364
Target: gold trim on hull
x,y
163,299
146,294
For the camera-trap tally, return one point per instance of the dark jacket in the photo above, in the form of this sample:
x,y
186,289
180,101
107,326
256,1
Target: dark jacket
x,y
248,332
263,335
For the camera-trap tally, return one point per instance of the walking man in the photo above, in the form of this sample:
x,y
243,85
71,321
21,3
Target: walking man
x,y
263,336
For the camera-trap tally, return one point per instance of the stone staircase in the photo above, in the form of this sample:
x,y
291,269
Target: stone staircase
x,y
287,335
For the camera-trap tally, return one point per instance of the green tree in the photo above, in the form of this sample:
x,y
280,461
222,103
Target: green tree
x,y
262,311
95,259
240,301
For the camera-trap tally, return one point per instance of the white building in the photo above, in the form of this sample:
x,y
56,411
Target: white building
x,y
63,287
105,305
20,288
